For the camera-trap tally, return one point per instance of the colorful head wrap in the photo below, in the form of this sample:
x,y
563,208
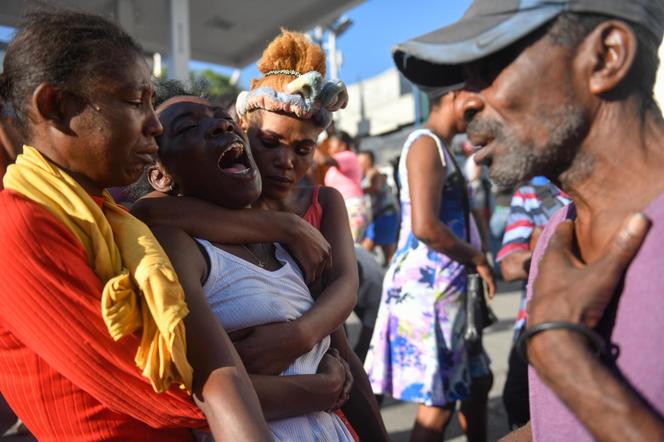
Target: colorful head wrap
x,y
309,96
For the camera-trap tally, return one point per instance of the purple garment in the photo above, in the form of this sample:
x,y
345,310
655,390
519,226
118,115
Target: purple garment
x,y
637,332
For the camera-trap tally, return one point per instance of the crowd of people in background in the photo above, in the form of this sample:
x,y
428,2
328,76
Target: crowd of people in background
x,y
181,267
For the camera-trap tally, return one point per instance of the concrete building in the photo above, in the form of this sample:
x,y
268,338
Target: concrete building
x,y
378,105
659,87
381,111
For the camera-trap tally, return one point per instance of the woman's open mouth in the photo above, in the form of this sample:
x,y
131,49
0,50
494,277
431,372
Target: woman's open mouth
x,y
234,160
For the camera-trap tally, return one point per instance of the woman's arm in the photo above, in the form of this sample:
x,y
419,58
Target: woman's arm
x,y
271,348
287,396
426,182
221,386
205,220
426,186
340,283
361,408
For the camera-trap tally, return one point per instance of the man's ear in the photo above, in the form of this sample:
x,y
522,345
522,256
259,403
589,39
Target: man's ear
x,y
609,52
159,179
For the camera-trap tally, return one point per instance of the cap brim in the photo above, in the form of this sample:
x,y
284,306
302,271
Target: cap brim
x,y
435,59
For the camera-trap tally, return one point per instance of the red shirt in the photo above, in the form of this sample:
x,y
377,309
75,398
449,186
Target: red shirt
x,y
4,162
60,370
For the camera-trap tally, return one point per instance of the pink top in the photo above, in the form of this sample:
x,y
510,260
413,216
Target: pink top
x,y
634,328
347,178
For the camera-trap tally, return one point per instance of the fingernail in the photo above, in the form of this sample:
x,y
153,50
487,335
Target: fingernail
x,y
636,224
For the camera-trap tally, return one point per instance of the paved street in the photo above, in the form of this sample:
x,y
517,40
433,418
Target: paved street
x,y
399,416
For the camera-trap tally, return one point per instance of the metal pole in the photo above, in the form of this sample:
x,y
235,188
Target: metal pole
x,y
180,50
332,48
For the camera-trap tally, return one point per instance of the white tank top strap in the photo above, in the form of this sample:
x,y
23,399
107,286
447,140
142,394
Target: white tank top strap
x,y
426,133
403,170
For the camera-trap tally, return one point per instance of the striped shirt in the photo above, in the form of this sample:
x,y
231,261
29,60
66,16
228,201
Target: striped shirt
x,y
532,206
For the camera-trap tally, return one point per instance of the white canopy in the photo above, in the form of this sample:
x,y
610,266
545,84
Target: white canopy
x,y
225,32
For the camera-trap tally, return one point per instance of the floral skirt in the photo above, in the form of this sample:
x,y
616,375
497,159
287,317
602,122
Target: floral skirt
x,y
417,351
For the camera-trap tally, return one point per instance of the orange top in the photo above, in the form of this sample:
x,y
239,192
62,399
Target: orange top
x,y
60,370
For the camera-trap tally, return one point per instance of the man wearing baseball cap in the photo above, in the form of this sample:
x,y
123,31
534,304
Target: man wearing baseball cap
x,y
564,89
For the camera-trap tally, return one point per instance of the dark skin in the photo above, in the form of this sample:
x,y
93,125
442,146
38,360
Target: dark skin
x,y
306,244
10,140
426,187
106,140
516,265
196,135
272,348
586,257
283,147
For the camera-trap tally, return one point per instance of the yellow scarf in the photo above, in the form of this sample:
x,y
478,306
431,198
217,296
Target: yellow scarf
x,y
129,261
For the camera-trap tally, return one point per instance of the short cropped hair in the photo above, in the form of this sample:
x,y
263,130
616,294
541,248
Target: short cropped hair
x,y
70,50
570,29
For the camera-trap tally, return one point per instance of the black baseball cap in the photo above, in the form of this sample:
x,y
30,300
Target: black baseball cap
x,y
435,59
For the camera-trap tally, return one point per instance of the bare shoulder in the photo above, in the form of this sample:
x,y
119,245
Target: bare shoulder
x,y
329,197
181,249
143,207
424,147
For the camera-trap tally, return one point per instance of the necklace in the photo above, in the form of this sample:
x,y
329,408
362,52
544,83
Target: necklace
x,y
259,261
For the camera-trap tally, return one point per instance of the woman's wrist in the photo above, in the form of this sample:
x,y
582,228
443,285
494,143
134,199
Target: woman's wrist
x,y
479,259
304,336
287,225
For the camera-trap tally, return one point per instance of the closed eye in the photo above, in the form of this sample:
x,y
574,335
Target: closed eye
x,y
185,128
269,143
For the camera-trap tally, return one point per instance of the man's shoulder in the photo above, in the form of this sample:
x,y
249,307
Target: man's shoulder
x,y
557,218
655,210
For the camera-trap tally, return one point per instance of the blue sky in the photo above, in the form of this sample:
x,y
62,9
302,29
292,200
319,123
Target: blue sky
x,y
377,26
381,24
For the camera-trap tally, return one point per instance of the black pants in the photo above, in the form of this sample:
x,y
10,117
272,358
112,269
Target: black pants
x,y
515,393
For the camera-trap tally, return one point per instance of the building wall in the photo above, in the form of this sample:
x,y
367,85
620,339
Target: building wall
x,y
378,105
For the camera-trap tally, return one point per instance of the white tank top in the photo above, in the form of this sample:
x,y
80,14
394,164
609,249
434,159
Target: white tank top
x,y
242,295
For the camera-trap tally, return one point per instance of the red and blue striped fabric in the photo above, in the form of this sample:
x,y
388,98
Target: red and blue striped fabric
x,y
528,212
